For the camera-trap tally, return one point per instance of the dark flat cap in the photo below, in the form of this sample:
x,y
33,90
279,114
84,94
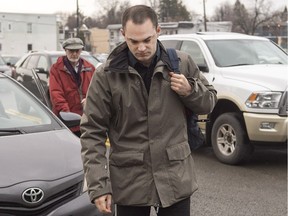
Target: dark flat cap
x,y
73,43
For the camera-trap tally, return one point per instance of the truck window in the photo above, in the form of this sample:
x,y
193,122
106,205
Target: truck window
x,y
194,51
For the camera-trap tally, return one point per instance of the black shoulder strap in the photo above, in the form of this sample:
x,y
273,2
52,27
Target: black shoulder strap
x,y
173,59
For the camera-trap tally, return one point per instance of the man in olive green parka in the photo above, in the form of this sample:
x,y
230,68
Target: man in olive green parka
x,y
138,101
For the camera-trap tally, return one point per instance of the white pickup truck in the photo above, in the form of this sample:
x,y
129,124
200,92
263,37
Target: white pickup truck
x,y
250,75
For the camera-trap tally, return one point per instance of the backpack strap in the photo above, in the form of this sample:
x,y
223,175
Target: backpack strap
x,y
174,60
195,136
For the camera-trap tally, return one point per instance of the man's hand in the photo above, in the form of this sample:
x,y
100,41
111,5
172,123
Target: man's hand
x,y
83,101
180,84
103,203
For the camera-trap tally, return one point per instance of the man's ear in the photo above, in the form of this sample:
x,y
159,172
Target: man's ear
x,y
122,32
158,30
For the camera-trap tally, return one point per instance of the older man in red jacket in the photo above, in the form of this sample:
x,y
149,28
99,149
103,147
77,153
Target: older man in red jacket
x,y
69,80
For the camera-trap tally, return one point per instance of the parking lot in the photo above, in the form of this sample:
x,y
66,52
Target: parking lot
x,y
257,188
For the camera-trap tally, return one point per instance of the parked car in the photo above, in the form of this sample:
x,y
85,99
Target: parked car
x,y
250,75
42,62
10,59
41,168
102,56
4,68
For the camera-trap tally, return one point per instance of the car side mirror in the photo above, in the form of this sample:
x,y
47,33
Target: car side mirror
x,y
70,119
203,68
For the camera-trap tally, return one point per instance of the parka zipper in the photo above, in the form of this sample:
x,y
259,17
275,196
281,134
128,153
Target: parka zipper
x,y
156,206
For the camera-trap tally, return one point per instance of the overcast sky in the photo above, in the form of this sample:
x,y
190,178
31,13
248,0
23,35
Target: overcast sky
x,y
89,7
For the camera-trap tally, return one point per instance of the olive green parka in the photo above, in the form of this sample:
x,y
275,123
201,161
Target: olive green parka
x,y
150,162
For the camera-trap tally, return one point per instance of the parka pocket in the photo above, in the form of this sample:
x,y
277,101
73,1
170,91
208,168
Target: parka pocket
x,y
126,159
178,152
181,170
128,175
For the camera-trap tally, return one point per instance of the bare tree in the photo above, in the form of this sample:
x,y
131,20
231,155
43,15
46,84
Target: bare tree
x,y
111,12
72,20
223,13
246,20
154,4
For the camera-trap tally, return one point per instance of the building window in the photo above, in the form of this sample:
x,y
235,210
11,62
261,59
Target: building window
x,y
9,26
0,27
111,35
0,47
29,47
61,29
29,27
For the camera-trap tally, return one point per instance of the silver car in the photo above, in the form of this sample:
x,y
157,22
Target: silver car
x,y
41,168
4,68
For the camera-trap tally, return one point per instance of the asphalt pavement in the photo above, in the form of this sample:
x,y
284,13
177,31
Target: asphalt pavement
x,y
256,188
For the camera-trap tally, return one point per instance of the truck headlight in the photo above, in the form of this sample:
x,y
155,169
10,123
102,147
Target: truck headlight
x,y
264,100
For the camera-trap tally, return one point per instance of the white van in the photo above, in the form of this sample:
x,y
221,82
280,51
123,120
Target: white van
x,y
250,75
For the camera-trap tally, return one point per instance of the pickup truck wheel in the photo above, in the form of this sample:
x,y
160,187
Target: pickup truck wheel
x,y
229,139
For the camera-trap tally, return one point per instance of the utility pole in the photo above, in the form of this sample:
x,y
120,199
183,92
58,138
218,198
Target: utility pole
x,y
204,9
77,16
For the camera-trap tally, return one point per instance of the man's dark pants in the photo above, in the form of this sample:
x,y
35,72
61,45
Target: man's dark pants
x,y
181,208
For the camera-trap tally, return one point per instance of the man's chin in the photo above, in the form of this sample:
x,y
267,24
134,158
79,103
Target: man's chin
x,y
144,59
73,60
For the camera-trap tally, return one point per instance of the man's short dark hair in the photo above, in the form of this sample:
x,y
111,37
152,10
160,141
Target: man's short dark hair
x,y
139,14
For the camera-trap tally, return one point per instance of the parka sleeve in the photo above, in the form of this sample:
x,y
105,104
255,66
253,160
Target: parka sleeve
x,y
203,96
94,126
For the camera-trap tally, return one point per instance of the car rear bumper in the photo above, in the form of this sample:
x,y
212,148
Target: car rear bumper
x,y
266,127
77,207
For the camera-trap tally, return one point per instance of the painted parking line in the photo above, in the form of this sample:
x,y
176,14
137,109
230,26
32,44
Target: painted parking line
x,y
34,119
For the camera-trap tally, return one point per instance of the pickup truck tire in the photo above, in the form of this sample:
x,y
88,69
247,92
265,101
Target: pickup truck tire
x,y
229,139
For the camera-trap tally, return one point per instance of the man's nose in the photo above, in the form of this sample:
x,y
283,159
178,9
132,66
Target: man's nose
x,y
141,47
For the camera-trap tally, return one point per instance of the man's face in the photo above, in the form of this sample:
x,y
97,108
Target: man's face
x,y
73,55
141,40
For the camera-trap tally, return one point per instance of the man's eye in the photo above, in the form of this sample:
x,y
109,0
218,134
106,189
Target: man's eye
x,y
147,41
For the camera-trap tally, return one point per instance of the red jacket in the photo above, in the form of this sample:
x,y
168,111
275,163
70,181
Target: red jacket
x,y
64,92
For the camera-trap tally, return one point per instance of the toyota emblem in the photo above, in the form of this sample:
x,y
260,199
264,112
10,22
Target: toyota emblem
x,y
32,195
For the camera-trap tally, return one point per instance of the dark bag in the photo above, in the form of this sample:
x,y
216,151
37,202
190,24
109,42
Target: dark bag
x,y
195,136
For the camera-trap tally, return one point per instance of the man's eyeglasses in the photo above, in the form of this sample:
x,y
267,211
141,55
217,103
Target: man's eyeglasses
x,y
73,50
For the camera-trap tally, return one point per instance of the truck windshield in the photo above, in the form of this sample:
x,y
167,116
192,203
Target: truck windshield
x,y
227,53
